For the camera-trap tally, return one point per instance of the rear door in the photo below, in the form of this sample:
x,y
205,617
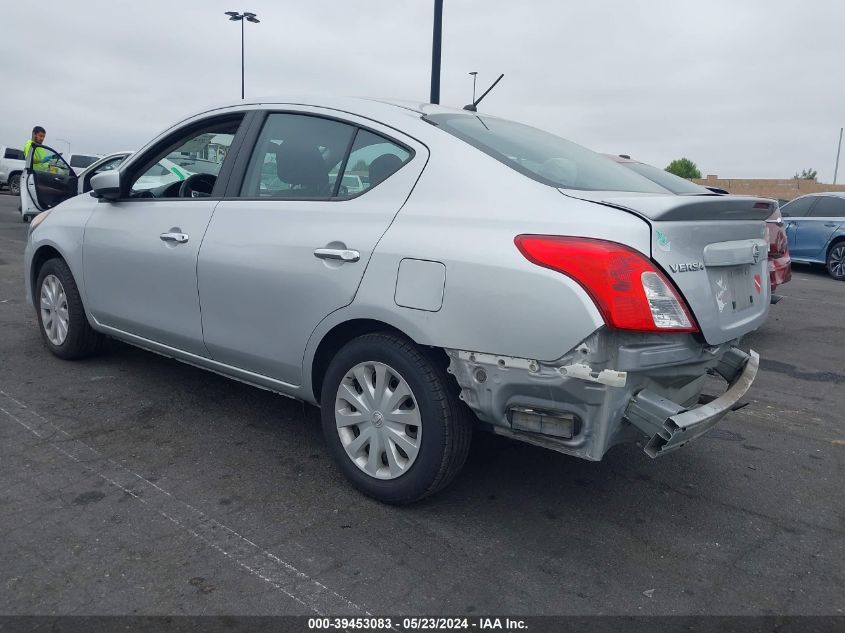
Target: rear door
x,y
815,230
793,214
50,180
289,244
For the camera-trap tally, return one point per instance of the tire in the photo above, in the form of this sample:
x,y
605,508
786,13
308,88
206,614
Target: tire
x,y
443,428
57,299
15,184
836,261
26,219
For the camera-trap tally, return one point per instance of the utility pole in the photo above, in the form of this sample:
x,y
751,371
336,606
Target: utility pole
x,y
435,51
838,149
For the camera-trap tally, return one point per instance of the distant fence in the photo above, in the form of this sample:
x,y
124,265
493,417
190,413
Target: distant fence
x,y
779,189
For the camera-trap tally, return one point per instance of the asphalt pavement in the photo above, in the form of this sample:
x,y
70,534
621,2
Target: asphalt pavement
x,y
134,484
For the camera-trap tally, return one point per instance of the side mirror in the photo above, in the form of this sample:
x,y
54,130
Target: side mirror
x,y
106,185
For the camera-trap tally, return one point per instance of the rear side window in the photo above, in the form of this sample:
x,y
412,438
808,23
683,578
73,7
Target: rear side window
x,y
12,153
798,208
293,155
829,207
373,159
542,156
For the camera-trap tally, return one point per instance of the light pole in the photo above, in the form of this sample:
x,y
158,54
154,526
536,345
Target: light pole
x,y
234,16
474,74
435,51
67,143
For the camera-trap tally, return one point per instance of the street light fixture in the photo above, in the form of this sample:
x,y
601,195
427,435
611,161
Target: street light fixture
x,y
474,74
234,16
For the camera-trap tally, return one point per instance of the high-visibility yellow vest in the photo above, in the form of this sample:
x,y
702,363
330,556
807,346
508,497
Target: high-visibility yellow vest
x,y
40,160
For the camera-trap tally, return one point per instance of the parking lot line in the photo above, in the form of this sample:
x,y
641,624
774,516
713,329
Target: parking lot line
x,y
280,574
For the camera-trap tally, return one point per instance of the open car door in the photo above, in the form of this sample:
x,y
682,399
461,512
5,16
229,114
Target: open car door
x,y
49,181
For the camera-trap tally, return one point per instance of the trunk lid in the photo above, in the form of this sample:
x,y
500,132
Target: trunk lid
x,y
715,251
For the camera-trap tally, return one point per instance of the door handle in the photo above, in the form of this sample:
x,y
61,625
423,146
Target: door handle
x,y
830,224
342,254
179,238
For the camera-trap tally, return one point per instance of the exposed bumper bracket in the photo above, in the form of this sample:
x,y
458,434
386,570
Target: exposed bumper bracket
x,y
671,426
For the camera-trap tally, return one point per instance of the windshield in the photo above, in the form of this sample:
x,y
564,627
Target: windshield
x,y
673,183
542,156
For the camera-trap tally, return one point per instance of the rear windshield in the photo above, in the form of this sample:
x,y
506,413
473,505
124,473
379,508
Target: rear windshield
x,y
81,160
673,183
14,153
542,156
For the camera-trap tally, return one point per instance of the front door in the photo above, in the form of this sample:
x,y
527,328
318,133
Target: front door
x,y
293,244
49,179
140,252
815,230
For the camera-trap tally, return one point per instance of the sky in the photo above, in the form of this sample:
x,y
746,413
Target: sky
x,y
744,88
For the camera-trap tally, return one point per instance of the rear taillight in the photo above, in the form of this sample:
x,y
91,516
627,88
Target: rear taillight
x,y
628,290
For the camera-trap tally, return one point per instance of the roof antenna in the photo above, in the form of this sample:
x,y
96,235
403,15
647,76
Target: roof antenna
x,y
472,106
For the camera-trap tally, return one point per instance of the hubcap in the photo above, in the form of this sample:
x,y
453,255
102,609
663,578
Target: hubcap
x,y
837,261
54,315
378,420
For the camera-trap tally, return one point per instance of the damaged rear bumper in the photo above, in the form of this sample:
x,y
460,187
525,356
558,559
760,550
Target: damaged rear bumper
x,y
614,387
671,426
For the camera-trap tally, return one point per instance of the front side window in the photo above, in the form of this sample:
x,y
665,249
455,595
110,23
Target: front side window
x,y
542,156
189,166
372,160
293,156
829,207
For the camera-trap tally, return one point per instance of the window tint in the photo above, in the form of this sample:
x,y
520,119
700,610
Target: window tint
x,y
829,207
16,154
292,157
82,161
202,151
372,160
798,208
542,156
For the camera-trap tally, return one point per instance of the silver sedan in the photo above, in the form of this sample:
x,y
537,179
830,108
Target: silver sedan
x,y
480,274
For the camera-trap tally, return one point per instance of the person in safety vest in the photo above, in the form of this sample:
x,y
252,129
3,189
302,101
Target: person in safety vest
x,y
41,158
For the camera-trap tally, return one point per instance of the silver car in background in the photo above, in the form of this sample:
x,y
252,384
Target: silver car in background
x,y
486,274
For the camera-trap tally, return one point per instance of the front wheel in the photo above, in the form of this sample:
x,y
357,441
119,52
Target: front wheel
x,y
392,419
836,261
61,316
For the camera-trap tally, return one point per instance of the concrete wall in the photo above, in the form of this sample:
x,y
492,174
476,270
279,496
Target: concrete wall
x,y
779,189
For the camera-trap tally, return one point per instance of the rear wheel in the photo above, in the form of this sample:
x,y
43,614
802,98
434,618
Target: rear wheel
x,y
836,261
61,316
392,419
15,184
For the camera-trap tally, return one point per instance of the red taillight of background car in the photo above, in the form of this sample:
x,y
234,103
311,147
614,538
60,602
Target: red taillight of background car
x,y
776,236
628,290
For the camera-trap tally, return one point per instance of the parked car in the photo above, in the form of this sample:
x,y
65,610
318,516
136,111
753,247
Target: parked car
x,y
815,228
80,162
780,266
490,274
11,166
28,207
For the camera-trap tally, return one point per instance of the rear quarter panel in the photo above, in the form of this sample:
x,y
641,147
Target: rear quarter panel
x,y
465,212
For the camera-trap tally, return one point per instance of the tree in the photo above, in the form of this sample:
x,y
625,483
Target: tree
x,y
684,168
807,174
